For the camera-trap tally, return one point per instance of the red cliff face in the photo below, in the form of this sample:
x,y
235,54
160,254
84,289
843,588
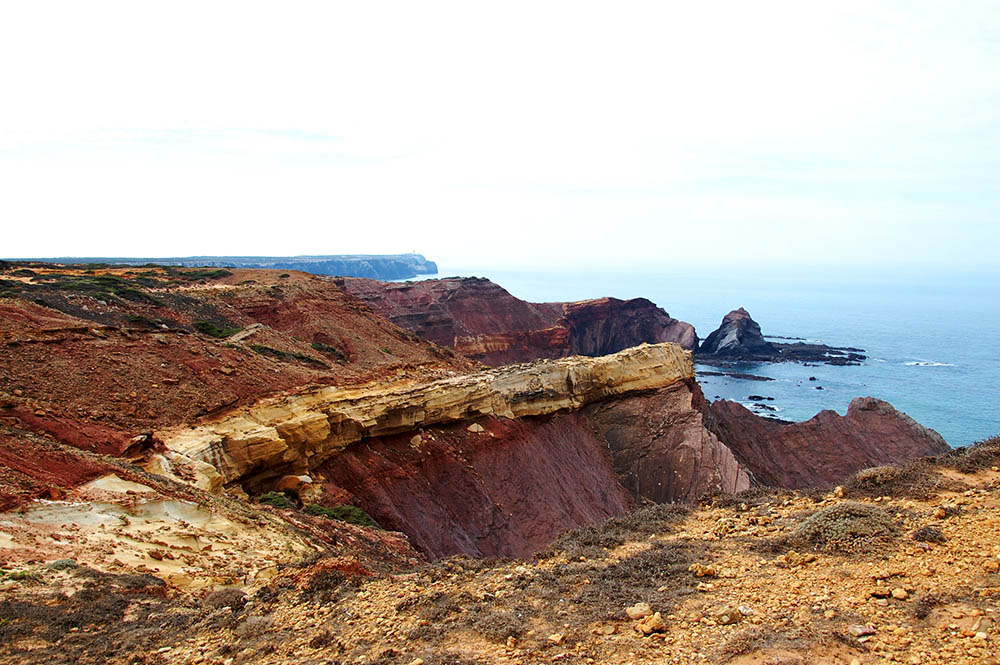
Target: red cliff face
x,y
482,321
825,449
661,449
506,490
507,487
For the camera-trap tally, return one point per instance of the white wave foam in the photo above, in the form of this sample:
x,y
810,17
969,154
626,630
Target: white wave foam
x,y
927,363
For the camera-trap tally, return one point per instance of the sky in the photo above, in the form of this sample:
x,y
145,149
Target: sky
x,y
841,134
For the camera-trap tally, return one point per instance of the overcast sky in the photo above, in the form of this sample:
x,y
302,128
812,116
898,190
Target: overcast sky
x,y
504,133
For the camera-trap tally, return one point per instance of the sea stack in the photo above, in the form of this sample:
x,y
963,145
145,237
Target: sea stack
x,y
738,336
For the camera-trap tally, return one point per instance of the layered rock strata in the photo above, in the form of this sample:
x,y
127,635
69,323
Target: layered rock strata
x,y
481,320
494,487
501,487
825,449
661,449
295,433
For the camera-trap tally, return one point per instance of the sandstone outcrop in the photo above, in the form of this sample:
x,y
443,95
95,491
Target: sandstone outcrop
x,y
294,433
481,320
738,336
825,449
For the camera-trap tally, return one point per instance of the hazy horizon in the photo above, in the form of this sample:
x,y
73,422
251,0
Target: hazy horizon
x,y
855,137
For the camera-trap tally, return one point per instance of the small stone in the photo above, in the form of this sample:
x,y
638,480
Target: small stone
x,y
855,661
981,635
829,614
511,642
860,630
991,565
838,492
702,571
476,428
940,513
651,624
728,616
557,638
638,611
793,558
416,440
900,594
417,661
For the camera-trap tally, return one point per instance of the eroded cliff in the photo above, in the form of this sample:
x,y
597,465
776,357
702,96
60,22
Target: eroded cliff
x,y
292,434
481,320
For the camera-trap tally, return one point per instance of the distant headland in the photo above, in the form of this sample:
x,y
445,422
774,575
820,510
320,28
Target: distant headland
x,y
374,266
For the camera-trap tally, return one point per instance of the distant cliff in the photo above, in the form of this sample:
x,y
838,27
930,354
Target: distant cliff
x,y
374,266
482,321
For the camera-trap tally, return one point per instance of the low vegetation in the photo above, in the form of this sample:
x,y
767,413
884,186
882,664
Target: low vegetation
x,y
287,355
343,513
214,330
847,527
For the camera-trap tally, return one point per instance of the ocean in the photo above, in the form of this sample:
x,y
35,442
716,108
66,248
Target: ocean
x,y
933,342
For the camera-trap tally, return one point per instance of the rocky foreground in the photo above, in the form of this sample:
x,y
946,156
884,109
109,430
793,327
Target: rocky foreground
x,y
232,466
897,565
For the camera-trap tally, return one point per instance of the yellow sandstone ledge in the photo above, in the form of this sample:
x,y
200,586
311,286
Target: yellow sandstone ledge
x,y
292,434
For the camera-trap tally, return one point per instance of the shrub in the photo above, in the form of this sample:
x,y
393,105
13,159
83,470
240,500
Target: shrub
x,y
254,626
276,500
287,355
329,350
847,527
907,480
231,598
929,534
978,456
212,330
743,642
497,625
349,514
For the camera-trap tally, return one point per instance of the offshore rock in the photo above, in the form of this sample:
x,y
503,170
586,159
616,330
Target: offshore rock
x,y
825,449
738,336
292,434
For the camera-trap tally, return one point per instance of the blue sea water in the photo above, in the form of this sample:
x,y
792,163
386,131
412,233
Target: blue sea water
x,y
933,341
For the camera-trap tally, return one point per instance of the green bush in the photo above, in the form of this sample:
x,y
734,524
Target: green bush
x,y
329,350
212,330
276,500
349,514
288,355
